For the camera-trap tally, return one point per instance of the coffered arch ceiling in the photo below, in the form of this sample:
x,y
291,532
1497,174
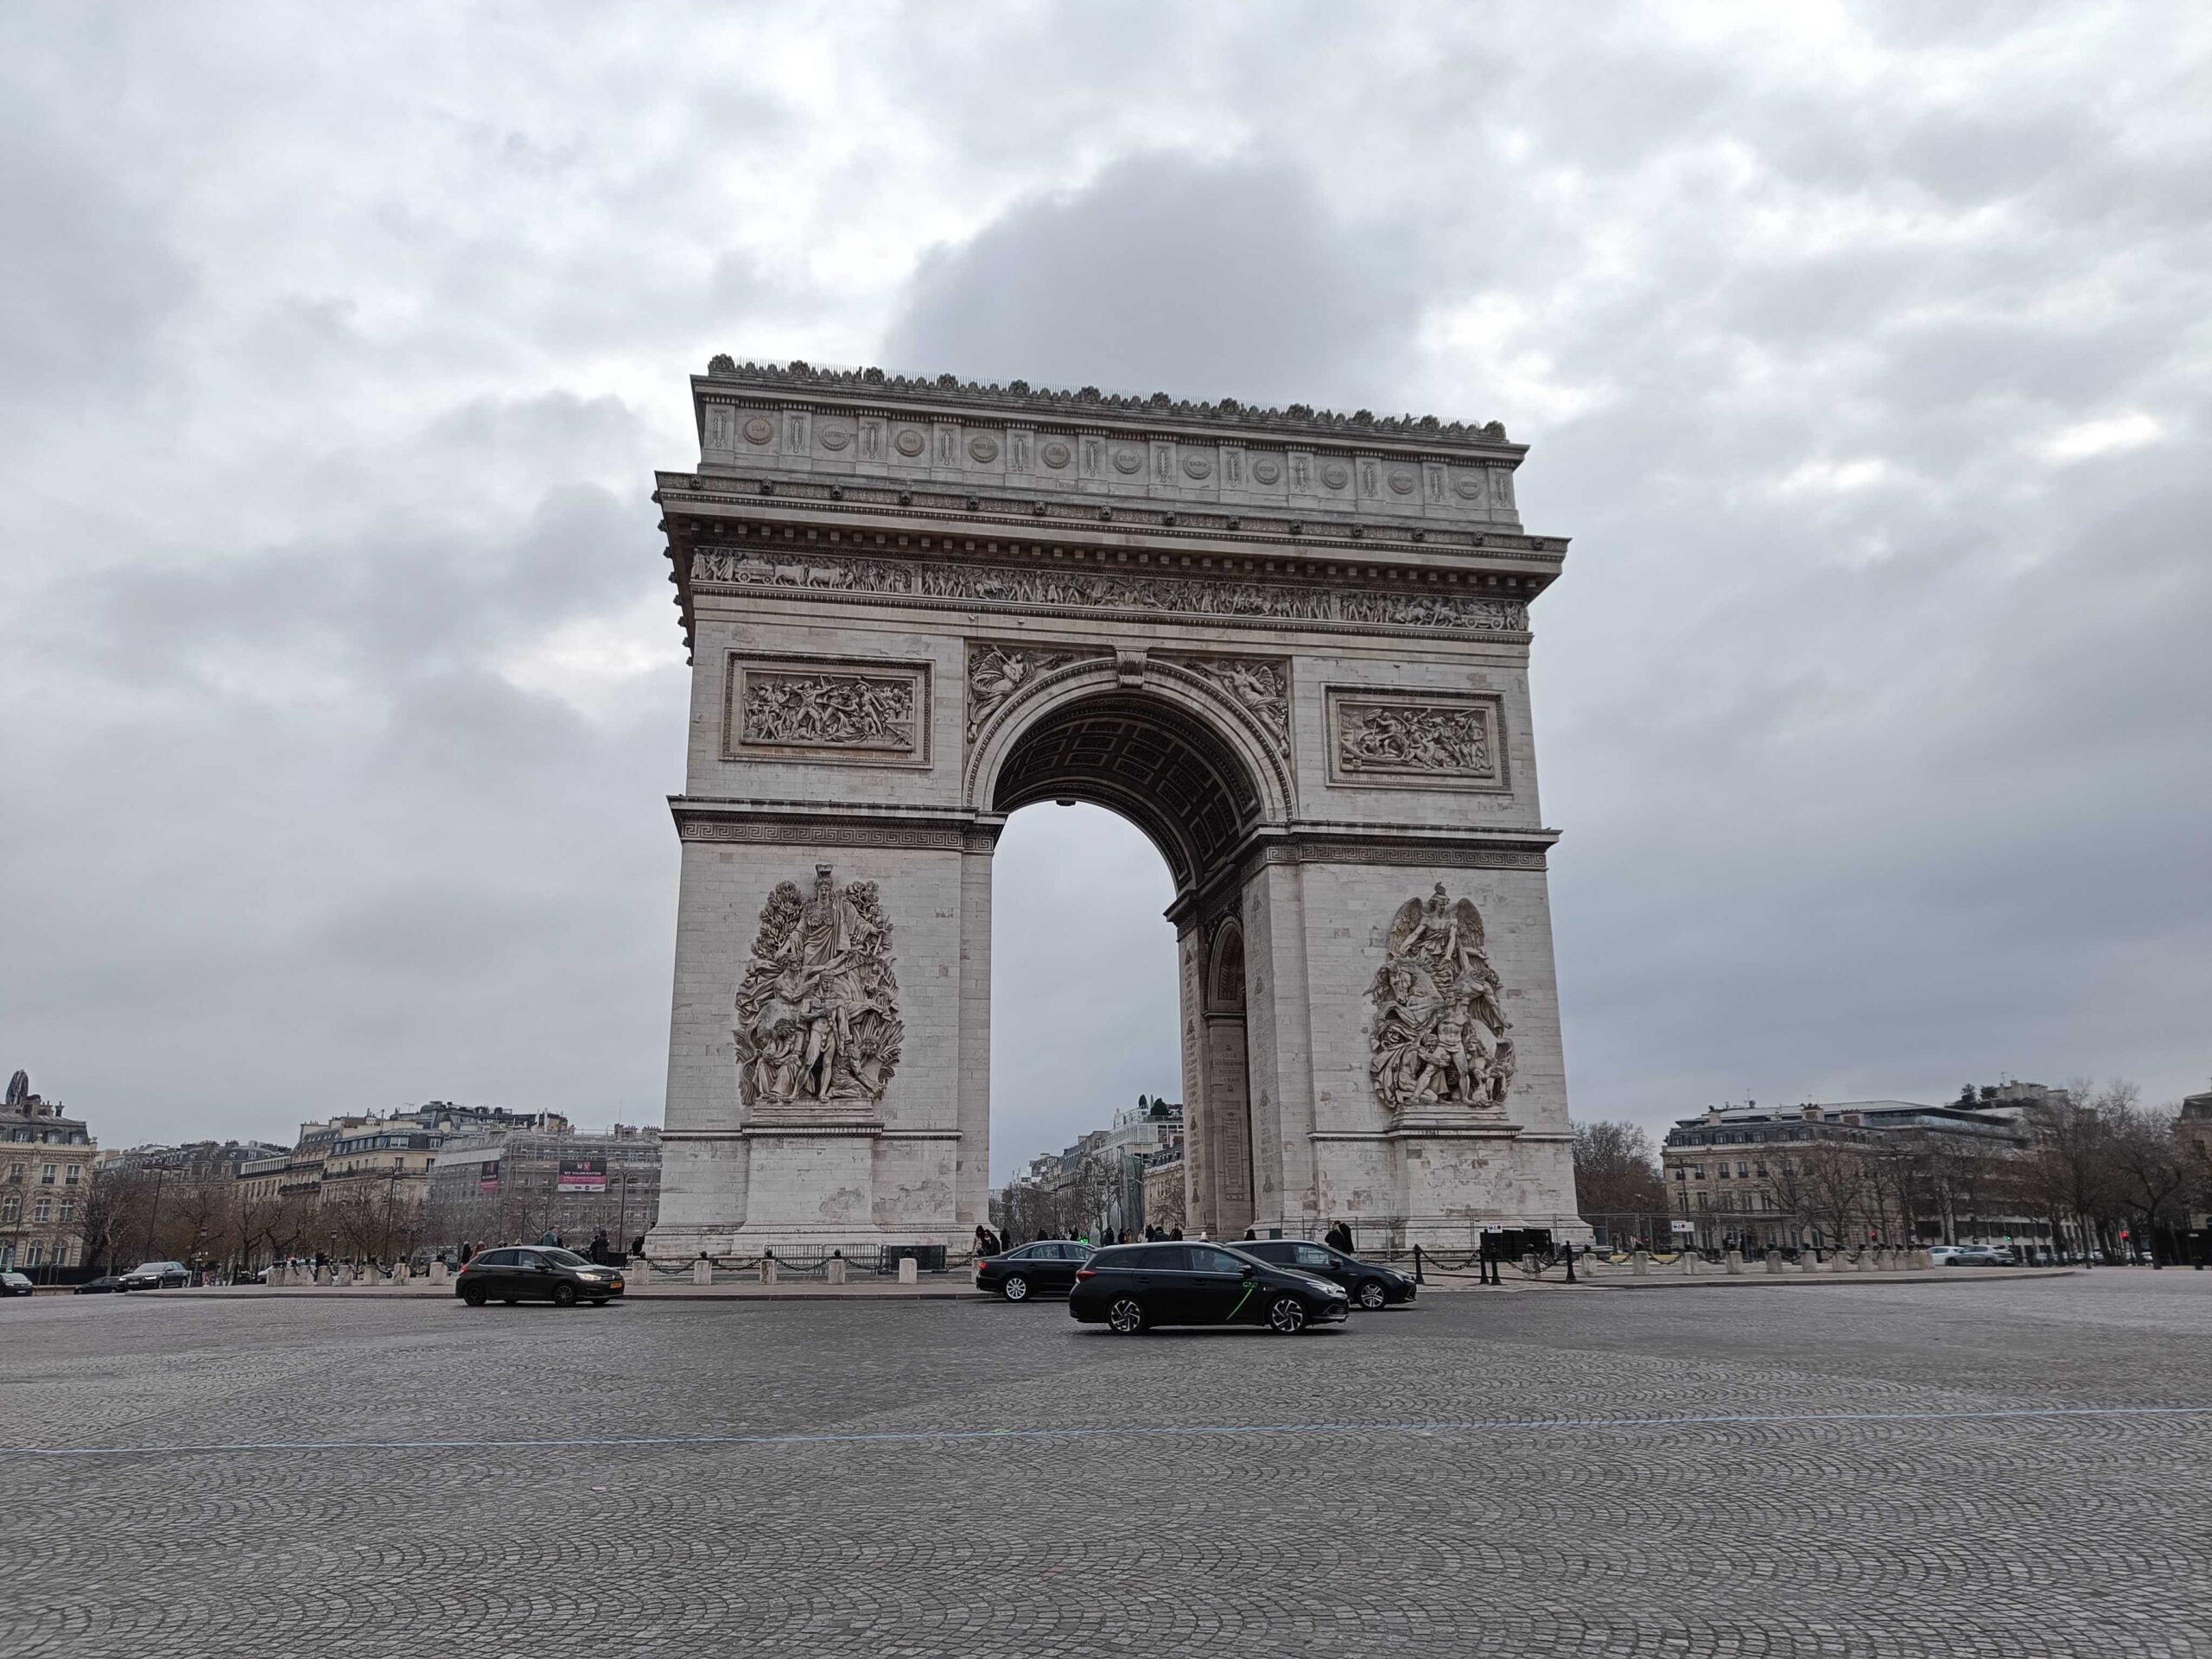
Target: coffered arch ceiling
x,y
1146,760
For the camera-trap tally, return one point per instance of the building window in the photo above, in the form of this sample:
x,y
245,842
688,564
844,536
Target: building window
x,y
10,1208
1680,1172
43,1211
69,1175
46,1174
68,1209
32,1258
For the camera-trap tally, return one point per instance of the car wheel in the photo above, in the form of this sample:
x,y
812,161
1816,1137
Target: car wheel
x,y
1372,1295
1126,1317
1016,1289
564,1295
1287,1316
473,1295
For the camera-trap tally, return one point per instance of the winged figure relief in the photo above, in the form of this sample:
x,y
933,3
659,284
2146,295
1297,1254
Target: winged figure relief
x,y
1439,1031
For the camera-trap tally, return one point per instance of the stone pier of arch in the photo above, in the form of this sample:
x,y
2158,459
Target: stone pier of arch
x,y
1291,648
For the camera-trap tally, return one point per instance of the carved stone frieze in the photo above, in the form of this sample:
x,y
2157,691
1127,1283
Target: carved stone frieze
x,y
995,672
817,1014
1439,1032
838,711
1259,685
1431,740
827,710
1062,589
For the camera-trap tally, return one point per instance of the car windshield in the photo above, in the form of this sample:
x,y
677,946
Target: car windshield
x,y
149,1267
566,1258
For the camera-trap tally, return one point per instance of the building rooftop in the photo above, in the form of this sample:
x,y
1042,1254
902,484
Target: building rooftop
x,y
1295,419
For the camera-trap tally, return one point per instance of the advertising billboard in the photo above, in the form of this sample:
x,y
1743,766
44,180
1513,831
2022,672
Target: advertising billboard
x,y
583,1174
487,1176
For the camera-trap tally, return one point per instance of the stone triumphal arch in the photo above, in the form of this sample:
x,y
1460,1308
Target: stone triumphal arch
x,y
1290,647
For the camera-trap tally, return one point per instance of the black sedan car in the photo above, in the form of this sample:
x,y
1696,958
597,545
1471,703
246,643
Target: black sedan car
x,y
537,1273
1370,1284
100,1287
1131,1287
155,1275
1045,1267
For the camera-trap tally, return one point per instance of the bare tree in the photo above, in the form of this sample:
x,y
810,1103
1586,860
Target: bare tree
x,y
1838,1190
2072,1172
2149,1172
1616,1171
1789,1191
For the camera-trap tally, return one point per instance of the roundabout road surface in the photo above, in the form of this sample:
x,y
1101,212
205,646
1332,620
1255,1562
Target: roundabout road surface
x,y
2015,1468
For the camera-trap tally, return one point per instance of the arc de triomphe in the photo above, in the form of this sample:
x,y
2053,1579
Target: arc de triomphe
x,y
1290,647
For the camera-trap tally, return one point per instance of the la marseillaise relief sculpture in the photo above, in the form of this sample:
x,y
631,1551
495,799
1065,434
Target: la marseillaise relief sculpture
x,y
1292,647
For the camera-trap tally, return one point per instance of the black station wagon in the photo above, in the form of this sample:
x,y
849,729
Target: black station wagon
x,y
1131,1287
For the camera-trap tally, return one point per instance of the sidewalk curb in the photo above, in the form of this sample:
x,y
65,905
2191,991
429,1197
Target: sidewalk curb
x,y
1779,1281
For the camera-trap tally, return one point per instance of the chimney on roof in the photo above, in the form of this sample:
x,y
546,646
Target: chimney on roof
x,y
1712,1114
1811,1112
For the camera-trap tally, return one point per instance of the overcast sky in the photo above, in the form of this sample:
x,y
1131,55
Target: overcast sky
x,y
1863,351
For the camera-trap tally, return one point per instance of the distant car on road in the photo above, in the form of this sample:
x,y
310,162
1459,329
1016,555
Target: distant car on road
x,y
1131,1287
1370,1284
155,1275
100,1287
1972,1255
14,1284
536,1273
1044,1267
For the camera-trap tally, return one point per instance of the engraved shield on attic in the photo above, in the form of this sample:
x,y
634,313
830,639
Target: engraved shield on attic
x,y
817,1014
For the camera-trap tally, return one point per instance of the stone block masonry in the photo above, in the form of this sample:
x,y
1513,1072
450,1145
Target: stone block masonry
x,y
1290,647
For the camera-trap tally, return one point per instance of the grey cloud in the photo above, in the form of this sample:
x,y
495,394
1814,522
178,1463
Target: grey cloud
x,y
1872,782
1166,273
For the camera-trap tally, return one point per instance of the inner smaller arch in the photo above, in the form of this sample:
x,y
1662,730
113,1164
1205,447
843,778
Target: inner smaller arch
x,y
1146,760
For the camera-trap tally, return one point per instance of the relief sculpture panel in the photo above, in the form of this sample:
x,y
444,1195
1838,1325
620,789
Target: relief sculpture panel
x,y
1435,740
1259,685
817,1013
997,673
1439,1032
793,710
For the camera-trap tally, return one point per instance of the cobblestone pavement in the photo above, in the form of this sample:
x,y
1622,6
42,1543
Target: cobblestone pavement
x,y
1877,1470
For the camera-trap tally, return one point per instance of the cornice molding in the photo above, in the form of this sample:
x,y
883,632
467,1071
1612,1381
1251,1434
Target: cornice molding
x,y
1019,398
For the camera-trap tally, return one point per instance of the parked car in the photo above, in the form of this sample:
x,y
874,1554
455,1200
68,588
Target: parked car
x,y
1370,1284
155,1275
1045,1268
14,1284
536,1273
1131,1287
101,1286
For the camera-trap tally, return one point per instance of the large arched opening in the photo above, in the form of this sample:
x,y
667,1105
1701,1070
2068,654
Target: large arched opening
x,y
1167,757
